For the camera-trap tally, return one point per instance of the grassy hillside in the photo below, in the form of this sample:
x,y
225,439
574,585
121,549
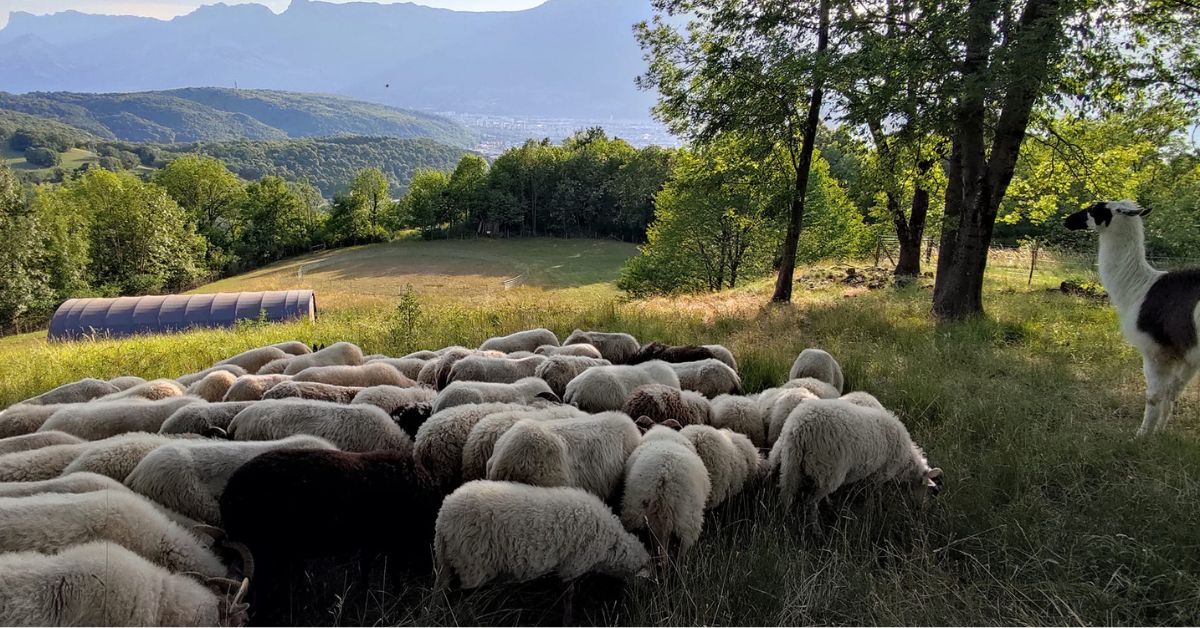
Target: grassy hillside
x,y
1052,513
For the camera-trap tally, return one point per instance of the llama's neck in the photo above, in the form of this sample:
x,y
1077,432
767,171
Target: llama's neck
x,y
1124,271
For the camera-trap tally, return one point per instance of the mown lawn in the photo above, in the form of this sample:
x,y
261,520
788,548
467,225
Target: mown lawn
x,y
1052,513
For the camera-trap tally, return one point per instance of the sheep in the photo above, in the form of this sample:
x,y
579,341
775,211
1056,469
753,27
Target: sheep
x,y
74,392
36,440
125,382
723,354
818,364
192,378
313,390
104,584
740,414
21,419
408,367
817,387
203,418
427,376
603,388
731,459
710,377
482,439
666,488
582,349
527,340
662,403
337,354
253,387
446,361
829,443
424,354
38,464
859,398
495,370
213,386
72,483
374,374
1156,309
293,347
189,476
274,367
778,404
152,390
115,457
255,359
438,446
101,419
352,428
53,521
408,407
585,452
483,531
527,391
685,353
614,347
559,370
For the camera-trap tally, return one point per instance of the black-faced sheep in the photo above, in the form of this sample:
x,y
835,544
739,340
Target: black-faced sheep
x,y
603,388
732,460
438,447
212,387
36,440
666,488
208,419
408,407
253,387
352,428
254,359
740,414
559,370
484,529
582,349
482,439
663,403
496,370
614,347
312,390
101,419
74,392
526,391
818,364
337,354
527,340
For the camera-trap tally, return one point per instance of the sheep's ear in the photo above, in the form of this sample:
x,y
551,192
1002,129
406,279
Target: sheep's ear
x,y
934,473
1145,212
673,424
549,396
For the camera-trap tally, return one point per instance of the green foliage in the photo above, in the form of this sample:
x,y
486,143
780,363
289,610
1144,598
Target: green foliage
x,y
212,196
426,205
24,286
275,218
42,156
371,190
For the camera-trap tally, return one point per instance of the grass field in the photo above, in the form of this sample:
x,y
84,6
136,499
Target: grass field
x,y
71,160
1052,513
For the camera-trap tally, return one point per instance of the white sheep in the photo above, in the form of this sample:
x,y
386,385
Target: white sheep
x,y
496,370
777,404
373,374
481,442
337,354
408,367
526,391
829,443
212,387
438,447
603,388
117,456
732,460
484,532
189,476
559,370
192,378
423,354
586,452
709,377
527,340
293,347
275,367
666,488
860,398
393,398
723,354
72,483
818,364
101,419
108,586
427,376
614,347
203,418
125,382
740,414
20,418
350,428
439,369
74,392
312,390
254,359
582,349
152,390
36,440
253,387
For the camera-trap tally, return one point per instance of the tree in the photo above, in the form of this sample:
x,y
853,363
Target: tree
x,y
349,220
212,197
42,156
466,191
274,219
23,282
370,189
426,202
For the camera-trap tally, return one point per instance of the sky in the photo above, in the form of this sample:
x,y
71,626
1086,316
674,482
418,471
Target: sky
x,y
170,8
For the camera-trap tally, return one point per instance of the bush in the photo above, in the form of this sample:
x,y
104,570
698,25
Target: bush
x,y
42,156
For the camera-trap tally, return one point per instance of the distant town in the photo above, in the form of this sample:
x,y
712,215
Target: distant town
x,y
499,133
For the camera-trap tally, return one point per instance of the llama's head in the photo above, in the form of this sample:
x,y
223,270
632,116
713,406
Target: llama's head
x,y
1100,216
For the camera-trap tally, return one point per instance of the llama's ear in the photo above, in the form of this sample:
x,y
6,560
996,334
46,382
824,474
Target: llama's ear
x,y
1145,212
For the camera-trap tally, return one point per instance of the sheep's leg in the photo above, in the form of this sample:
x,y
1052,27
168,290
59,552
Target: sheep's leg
x,y
569,605
1158,376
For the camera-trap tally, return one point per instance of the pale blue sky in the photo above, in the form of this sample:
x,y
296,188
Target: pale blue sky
x,y
171,8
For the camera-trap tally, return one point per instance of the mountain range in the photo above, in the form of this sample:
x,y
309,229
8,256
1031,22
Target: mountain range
x,y
564,58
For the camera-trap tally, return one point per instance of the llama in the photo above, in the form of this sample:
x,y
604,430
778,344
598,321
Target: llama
x,y
1158,310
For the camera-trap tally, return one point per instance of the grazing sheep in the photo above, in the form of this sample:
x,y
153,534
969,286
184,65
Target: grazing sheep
x,y
408,407
585,452
668,353
710,377
559,370
352,428
666,488
74,392
481,442
253,387
72,483
274,367
484,529
255,359
817,387
189,476
427,376
39,464
213,386
829,443
337,354
603,388
723,354
438,447
740,414
663,403
104,584
495,370
730,458
53,521
152,390
582,349
203,418
527,340
313,390
115,457
101,419
36,440
818,364
21,419
420,355
192,378
125,382
293,347
374,374
778,404
408,367
527,391
864,399
446,361
614,347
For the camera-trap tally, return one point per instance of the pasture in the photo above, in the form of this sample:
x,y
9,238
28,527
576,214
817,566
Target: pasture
x,y
1052,512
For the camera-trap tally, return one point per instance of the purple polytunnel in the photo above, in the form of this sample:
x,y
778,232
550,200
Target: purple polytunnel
x,y
124,316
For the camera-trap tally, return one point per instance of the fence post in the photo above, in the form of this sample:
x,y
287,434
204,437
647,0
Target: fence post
x,y
1032,264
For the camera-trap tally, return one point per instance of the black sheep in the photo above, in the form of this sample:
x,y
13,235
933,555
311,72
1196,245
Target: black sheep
x,y
668,353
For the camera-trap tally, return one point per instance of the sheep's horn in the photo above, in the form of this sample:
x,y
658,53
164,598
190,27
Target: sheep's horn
x,y
225,584
241,592
213,431
247,557
210,531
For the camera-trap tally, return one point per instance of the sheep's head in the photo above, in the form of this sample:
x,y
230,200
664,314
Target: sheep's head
x,y
927,484
1100,215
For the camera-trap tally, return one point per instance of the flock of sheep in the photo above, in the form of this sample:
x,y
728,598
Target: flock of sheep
x,y
159,502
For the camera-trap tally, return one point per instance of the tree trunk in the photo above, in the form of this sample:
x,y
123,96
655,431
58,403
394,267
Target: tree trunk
x,y
913,233
791,241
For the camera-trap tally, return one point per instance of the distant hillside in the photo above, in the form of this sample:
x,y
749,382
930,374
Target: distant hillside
x,y
214,114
